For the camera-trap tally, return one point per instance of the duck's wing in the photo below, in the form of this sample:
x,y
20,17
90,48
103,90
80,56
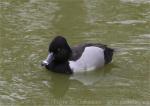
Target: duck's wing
x,y
108,52
79,49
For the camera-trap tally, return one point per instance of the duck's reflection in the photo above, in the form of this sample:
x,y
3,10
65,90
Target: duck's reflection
x,y
60,83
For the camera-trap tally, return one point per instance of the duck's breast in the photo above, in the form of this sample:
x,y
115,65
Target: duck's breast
x,y
91,58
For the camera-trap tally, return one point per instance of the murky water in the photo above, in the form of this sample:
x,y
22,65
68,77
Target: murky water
x,y
27,27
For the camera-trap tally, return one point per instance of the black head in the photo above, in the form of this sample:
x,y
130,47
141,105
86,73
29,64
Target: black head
x,y
60,49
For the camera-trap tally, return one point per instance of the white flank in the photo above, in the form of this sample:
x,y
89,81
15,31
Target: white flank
x,y
92,58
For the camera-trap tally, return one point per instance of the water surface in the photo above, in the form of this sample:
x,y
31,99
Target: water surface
x,y
27,27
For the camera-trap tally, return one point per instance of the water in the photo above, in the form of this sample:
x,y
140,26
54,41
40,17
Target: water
x,y
27,27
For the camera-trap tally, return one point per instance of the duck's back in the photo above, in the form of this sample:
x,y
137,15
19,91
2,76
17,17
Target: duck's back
x,y
79,49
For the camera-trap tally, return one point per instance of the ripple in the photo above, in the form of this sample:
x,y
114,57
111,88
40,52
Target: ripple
x,y
92,12
17,96
46,83
128,22
4,4
122,84
145,36
2,83
6,97
39,17
136,1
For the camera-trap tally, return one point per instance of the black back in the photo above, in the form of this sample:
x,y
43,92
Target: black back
x,y
78,50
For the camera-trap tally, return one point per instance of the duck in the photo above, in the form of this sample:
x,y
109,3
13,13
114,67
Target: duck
x,y
80,58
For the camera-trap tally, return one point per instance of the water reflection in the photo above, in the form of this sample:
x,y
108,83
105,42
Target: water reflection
x,y
90,78
61,84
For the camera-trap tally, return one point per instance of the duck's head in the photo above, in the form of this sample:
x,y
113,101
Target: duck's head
x,y
59,51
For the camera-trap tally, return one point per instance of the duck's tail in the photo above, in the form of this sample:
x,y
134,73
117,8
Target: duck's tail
x,y
108,54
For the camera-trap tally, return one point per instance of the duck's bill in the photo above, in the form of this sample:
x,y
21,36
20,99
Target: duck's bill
x,y
48,60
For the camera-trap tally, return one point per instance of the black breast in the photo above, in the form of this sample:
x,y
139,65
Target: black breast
x,y
60,68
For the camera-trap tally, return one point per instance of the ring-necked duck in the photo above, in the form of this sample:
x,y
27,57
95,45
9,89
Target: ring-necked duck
x,y
84,57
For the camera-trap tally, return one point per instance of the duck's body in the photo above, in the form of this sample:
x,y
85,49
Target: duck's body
x,y
91,58
85,57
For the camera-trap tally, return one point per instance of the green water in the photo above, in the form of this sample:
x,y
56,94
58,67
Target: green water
x,y
27,27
